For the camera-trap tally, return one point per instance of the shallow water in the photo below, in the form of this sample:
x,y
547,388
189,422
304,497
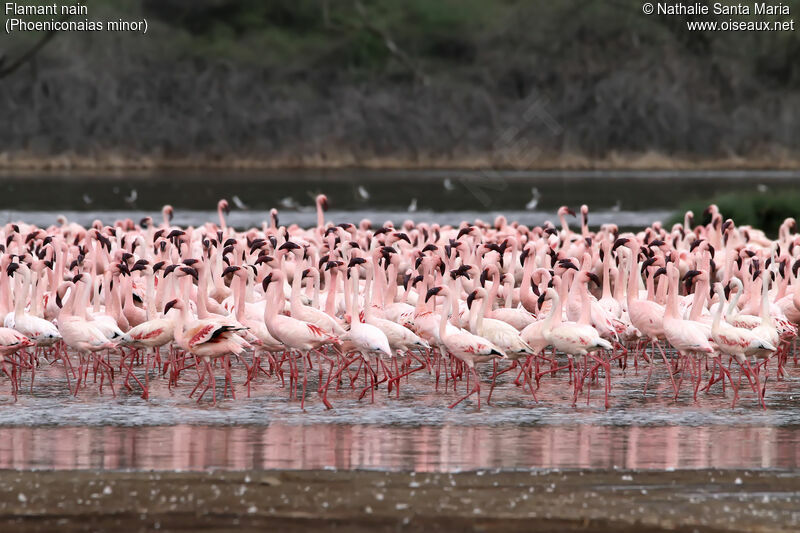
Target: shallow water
x,y
628,198
445,448
51,429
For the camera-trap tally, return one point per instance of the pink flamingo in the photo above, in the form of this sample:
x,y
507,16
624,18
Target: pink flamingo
x,y
469,348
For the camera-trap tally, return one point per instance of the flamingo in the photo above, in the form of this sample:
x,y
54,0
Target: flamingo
x,y
82,336
688,337
502,335
469,348
295,334
40,331
737,342
206,340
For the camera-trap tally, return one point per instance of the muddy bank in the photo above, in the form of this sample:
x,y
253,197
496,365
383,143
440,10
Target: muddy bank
x,y
21,161
693,500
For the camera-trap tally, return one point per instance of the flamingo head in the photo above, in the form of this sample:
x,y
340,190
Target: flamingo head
x,y
141,264
462,271
591,276
168,212
401,236
230,270
177,304
333,265
288,247
690,275
354,262
264,258
471,298
190,271
566,264
467,230
564,210
484,276
728,226
123,269
432,292
648,262
11,269
266,281
622,241
222,205
322,202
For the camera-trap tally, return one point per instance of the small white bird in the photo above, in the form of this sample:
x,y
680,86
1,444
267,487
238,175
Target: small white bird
x,y
534,201
239,203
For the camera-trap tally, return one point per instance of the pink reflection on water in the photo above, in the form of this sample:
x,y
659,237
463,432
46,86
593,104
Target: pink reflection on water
x,y
427,448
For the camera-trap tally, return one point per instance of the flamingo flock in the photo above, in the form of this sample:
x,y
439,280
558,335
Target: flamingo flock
x,y
345,308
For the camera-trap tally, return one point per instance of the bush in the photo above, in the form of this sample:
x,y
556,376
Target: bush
x,y
765,211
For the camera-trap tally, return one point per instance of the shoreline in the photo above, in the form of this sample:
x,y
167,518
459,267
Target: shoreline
x,y
306,500
632,162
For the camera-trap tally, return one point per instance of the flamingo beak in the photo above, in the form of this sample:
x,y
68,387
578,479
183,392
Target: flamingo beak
x,y
471,298
266,281
169,305
432,292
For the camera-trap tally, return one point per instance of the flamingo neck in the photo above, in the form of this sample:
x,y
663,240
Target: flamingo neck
x,y
606,274
481,313
222,224
391,291
633,286
553,318
444,316
619,283
202,294
766,317
525,295
330,302
20,296
355,308
294,303
368,292
320,216
700,293
69,304
718,311
734,301
239,295
421,295
493,290
661,290
150,290
672,297
564,225
586,306
651,287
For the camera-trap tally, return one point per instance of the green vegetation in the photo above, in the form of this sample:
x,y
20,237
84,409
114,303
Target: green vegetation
x,y
408,82
765,211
